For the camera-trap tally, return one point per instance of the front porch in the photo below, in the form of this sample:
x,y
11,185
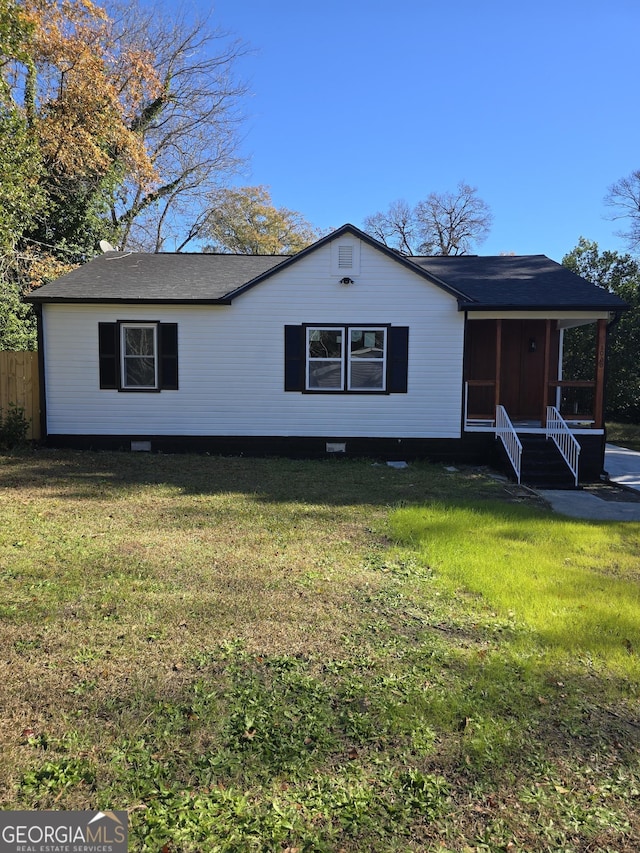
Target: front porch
x,y
515,387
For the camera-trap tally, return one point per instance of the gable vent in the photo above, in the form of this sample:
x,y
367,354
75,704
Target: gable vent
x,y
345,257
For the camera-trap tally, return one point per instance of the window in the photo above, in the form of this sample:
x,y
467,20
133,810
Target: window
x,y
325,359
138,356
138,351
346,359
367,353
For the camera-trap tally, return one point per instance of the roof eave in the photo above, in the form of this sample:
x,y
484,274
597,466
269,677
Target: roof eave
x,y
476,306
75,300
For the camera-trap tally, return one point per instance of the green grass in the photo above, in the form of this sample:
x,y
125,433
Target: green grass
x,y
575,585
626,435
271,655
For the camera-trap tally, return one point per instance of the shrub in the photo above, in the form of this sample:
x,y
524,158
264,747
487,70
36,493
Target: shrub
x,y
13,427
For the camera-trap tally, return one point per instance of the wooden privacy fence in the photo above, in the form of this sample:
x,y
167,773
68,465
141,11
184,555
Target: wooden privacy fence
x,y
19,386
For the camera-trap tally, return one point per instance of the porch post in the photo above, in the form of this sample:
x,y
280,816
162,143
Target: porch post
x,y
601,347
547,361
498,362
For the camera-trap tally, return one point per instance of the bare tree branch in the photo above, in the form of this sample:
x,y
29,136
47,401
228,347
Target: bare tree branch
x,y
190,130
624,199
443,224
396,228
450,223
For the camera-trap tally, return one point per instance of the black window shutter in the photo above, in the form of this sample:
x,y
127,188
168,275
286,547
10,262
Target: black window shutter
x,y
108,354
397,359
168,355
294,358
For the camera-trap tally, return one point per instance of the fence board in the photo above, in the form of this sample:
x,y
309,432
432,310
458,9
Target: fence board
x,y
19,386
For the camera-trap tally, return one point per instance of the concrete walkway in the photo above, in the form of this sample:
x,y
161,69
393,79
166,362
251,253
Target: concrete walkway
x,y
623,467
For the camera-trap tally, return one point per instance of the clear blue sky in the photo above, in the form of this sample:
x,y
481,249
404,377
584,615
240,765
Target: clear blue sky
x,y
356,104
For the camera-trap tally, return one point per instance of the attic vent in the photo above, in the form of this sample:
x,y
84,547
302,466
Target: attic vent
x,y
345,257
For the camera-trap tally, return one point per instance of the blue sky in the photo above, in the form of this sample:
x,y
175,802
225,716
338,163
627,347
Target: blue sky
x,y
356,104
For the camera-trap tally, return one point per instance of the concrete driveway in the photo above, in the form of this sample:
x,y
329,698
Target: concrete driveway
x,y
622,466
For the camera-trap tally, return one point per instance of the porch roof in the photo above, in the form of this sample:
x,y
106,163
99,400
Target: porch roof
x,y
518,282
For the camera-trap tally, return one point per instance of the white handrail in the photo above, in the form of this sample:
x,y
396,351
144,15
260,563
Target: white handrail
x,y
566,442
509,438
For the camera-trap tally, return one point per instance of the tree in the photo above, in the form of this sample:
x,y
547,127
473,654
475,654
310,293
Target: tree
x,y
82,92
624,198
620,274
442,224
397,227
245,221
135,116
111,126
189,128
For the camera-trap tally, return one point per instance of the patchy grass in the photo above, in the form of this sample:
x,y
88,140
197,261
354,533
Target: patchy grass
x,y
626,435
273,655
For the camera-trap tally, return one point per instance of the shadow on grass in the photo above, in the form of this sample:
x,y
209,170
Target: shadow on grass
x,y
337,481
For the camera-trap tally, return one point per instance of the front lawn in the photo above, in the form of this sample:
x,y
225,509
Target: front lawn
x,y
271,655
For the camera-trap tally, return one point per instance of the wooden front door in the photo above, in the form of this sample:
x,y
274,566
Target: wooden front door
x,y
522,379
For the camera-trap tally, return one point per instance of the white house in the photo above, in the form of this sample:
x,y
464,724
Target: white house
x,y
345,347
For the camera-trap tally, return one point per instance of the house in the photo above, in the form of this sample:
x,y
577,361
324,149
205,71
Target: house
x,y
346,347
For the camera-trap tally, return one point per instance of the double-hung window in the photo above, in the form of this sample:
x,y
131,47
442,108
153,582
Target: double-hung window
x,y
366,359
336,358
346,358
138,355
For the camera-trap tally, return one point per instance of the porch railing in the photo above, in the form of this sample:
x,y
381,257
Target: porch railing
x,y
479,401
509,438
558,430
573,399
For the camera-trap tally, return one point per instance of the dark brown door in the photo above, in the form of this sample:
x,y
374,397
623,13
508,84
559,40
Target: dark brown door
x,y
522,368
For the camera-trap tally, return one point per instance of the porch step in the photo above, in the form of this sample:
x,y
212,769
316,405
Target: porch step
x,y
542,464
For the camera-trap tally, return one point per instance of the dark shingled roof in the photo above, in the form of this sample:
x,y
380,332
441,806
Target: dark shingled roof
x,y
511,282
140,277
530,282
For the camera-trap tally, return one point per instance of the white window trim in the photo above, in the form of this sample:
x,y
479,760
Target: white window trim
x,y
382,360
345,359
124,357
309,360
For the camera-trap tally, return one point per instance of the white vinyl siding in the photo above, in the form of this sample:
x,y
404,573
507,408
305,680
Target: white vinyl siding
x,y
232,360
